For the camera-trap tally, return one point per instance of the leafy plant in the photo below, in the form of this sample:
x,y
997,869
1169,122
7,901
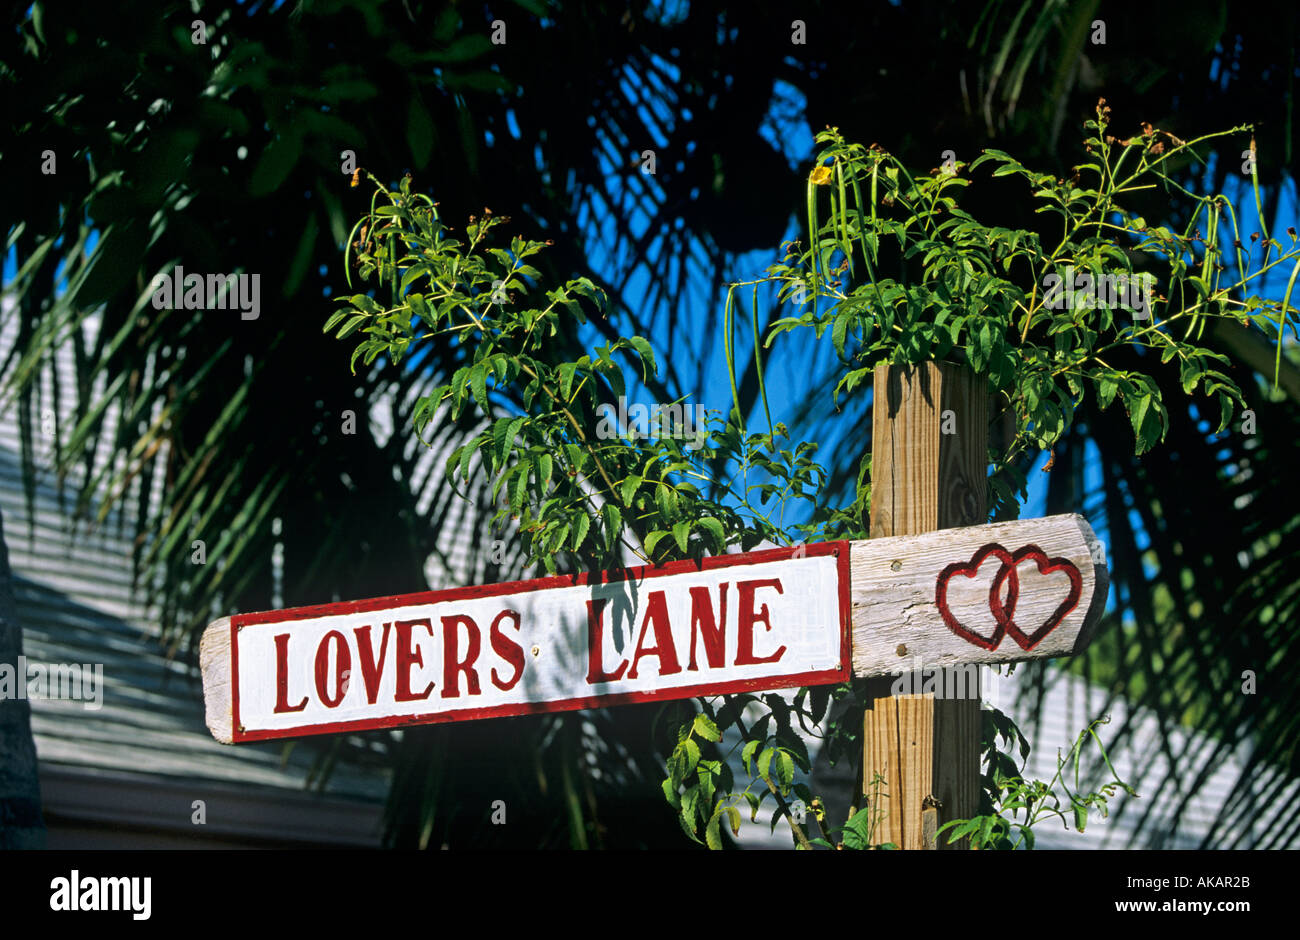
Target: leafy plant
x,y
929,282
1035,800
937,284
575,492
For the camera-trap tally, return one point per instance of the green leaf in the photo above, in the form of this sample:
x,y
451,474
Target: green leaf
x,y
642,346
747,755
567,371
712,833
1107,386
784,768
688,827
690,807
519,470
840,331
691,750
670,793
666,500
558,538
458,383
682,534
545,465
961,828
466,455
613,524
366,304
581,526
799,753
856,831
1138,412
705,728
726,780
519,490
334,320
500,441
654,538
677,768
412,274
706,773
715,529
478,385
351,326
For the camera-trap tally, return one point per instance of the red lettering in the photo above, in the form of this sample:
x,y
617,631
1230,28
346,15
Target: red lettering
x,y
282,677
408,657
371,670
595,633
703,624
747,618
507,649
342,668
657,614
451,666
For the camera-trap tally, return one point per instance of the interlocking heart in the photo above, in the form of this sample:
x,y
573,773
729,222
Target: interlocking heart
x,y
1004,612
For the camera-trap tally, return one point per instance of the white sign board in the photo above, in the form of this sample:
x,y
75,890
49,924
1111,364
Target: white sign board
x,y
763,620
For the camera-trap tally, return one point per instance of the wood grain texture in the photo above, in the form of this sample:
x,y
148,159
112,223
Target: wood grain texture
x,y
214,660
928,471
926,751
897,625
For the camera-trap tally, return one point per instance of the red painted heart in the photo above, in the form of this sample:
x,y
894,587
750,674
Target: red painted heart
x,y
970,570
1045,566
1004,614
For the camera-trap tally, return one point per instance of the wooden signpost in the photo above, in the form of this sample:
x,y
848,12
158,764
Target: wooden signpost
x,y
774,619
931,589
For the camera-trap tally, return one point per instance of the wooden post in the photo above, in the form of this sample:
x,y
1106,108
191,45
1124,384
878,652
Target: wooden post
x,y
928,471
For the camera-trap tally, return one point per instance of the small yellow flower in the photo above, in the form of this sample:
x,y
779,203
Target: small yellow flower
x,y
820,176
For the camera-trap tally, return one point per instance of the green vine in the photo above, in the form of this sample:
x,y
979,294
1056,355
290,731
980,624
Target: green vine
x,y
1013,797
900,275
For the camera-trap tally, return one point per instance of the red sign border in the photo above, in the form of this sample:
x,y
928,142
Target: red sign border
x,y
644,572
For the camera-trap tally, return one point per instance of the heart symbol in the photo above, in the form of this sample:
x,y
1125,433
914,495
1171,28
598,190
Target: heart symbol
x,y
970,569
1045,566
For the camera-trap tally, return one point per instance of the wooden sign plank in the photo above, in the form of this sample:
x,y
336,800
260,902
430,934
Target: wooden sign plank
x,y
732,623
779,618
994,593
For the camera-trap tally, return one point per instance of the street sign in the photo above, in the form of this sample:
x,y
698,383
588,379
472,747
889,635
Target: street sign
x,y
779,618
733,623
